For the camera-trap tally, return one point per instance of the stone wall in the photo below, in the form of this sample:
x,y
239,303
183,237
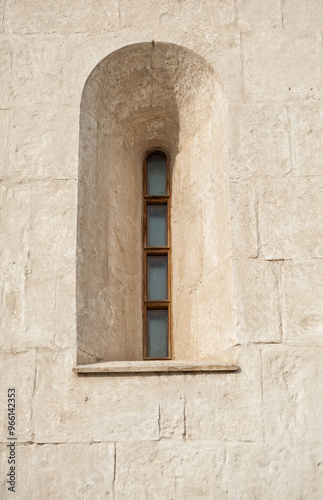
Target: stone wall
x,y
255,434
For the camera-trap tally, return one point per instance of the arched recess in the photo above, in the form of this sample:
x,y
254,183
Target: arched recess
x,y
140,97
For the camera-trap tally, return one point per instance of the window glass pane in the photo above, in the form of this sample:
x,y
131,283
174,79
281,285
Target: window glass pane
x,y
157,323
157,277
157,225
157,175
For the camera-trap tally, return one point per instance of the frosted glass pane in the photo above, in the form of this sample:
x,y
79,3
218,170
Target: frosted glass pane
x,y
157,322
156,175
157,277
157,225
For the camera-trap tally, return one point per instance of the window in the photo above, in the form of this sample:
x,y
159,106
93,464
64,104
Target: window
x,y
169,103
157,256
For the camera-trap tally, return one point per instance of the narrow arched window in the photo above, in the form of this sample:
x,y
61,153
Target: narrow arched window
x,y
157,256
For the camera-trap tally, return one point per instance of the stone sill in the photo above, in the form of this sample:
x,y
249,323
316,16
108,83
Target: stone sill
x,y
155,367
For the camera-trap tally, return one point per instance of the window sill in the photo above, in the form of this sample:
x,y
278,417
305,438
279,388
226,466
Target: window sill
x,y
155,367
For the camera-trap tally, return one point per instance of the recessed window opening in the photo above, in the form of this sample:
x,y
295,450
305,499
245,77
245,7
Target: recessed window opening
x,y
157,256
154,276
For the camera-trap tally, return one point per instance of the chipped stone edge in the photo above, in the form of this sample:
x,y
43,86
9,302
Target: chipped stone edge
x,y
155,367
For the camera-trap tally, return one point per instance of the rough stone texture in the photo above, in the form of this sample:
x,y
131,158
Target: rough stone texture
x,y
41,63
253,15
184,14
258,300
245,240
36,259
303,319
5,119
306,138
259,141
210,399
292,389
60,17
6,90
272,69
170,470
290,218
81,409
33,150
87,471
251,435
302,14
18,371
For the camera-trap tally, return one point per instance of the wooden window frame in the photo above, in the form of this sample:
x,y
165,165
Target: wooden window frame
x,y
151,251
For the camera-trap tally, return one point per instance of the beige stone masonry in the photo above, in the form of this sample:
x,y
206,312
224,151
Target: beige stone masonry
x,y
253,433
258,300
303,320
253,15
290,218
61,17
259,141
86,472
209,400
271,65
302,15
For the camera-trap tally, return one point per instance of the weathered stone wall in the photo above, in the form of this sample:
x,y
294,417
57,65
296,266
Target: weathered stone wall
x,y
256,434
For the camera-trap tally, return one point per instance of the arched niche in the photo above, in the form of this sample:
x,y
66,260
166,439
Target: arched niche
x,y
152,95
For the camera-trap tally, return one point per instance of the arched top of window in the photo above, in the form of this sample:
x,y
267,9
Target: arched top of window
x,y
156,174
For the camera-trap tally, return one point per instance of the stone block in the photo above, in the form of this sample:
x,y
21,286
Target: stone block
x,y
302,304
243,222
18,371
51,233
13,266
179,14
5,121
56,471
294,471
38,262
49,287
12,315
170,470
226,407
272,69
6,75
61,17
49,309
38,66
171,407
292,395
273,470
307,138
257,299
259,143
42,144
290,218
245,472
254,15
302,14
92,408
2,16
